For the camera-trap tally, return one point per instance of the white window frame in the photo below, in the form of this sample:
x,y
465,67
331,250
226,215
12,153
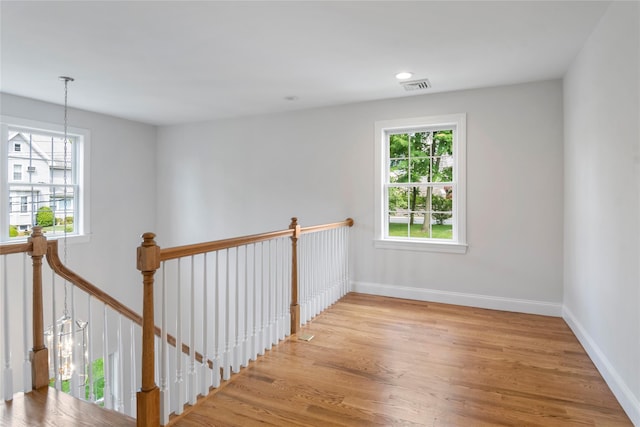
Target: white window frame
x,y
383,129
81,170
17,172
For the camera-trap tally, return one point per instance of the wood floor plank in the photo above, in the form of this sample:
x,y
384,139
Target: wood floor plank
x,y
48,407
385,361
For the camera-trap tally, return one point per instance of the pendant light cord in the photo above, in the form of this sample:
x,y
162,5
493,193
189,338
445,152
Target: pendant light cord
x,y
64,219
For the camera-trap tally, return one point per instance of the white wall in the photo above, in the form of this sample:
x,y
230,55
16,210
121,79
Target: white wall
x,y
225,178
602,212
123,191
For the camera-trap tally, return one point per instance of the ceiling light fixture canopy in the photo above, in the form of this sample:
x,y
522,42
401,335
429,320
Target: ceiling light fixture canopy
x,y
404,75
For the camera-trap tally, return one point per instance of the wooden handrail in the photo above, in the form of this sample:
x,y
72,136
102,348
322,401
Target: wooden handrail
x,y
15,248
56,265
201,248
315,228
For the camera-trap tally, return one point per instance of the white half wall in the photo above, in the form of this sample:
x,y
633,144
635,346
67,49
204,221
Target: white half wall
x,y
602,201
242,176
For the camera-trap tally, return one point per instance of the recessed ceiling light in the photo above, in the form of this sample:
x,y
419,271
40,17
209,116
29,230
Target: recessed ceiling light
x,y
404,75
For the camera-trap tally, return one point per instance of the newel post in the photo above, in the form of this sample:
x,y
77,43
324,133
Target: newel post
x,y
39,353
295,307
148,398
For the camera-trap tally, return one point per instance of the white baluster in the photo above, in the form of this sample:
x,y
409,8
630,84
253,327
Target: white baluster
x,y
75,381
165,408
179,359
285,287
132,371
226,357
108,395
216,328
236,337
254,301
7,372
245,339
324,283
332,283
279,289
347,251
276,292
26,331
120,373
53,351
90,326
273,298
260,343
302,280
193,386
204,368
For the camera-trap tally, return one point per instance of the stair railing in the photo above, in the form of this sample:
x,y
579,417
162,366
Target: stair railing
x,y
228,301
112,329
249,298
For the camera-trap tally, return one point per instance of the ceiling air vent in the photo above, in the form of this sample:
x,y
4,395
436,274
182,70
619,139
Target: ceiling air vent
x,y
416,84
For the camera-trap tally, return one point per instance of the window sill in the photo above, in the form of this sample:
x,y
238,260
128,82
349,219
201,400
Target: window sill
x,y
420,246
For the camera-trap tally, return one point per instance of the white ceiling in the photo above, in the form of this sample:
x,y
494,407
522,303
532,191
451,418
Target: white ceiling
x,y
171,62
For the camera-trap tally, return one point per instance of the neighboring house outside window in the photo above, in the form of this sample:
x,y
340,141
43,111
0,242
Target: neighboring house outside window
x,y
54,192
420,184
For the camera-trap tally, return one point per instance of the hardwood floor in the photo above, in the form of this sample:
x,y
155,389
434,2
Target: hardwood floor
x,y
384,361
49,407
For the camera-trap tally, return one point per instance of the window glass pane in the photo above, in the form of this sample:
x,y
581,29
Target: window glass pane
x,y
443,142
398,199
418,228
420,170
442,169
442,212
421,144
398,170
399,146
398,224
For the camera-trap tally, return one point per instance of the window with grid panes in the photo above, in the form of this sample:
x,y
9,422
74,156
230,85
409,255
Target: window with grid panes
x,y
420,194
52,193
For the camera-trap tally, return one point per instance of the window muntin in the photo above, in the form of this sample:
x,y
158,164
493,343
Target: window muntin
x,y
420,199
417,207
53,191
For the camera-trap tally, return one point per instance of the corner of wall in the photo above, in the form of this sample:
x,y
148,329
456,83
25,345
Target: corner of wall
x,y
614,380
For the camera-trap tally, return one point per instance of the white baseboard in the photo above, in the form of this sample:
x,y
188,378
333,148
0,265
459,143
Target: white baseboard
x,y
459,298
629,402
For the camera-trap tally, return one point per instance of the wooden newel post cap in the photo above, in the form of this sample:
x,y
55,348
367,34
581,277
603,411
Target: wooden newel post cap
x,y
148,253
295,227
39,242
